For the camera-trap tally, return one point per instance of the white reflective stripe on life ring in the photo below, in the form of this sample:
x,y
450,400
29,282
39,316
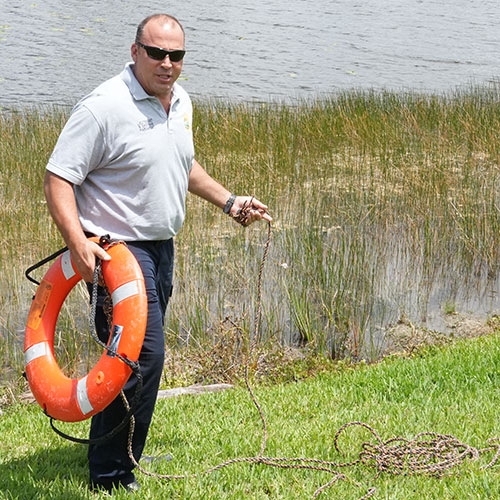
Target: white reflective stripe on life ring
x,y
35,351
82,396
123,292
67,266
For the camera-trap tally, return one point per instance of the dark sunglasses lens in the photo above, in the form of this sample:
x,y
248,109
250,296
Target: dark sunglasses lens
x,y
176,55
156,53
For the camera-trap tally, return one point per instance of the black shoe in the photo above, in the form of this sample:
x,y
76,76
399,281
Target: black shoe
x,y
112,487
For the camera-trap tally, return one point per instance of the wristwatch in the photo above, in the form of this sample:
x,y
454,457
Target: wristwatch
x,y
229,204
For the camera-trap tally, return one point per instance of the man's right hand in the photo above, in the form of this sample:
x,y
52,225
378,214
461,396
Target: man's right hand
x,y
84,256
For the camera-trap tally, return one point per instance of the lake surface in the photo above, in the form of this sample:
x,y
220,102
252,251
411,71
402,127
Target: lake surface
x,y
54,52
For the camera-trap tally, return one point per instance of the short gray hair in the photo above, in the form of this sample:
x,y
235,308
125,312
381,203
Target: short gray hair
x,y
142,24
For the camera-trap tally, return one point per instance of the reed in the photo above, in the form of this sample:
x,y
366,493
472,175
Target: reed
x,y
380,202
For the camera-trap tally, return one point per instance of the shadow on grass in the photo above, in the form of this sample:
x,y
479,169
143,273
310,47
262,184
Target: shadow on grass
x,y
58,473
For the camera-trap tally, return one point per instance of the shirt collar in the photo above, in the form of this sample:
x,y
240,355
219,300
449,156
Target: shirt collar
x,y
136,89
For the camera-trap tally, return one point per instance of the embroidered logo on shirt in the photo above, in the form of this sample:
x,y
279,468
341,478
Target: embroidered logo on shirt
x,y
146,125
187,125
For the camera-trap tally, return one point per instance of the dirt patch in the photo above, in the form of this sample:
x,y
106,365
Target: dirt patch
x,y
406,336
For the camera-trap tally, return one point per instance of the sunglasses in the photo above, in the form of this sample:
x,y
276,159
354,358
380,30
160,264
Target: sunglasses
x,y
159,54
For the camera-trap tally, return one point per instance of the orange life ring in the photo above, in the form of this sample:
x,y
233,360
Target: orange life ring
x,y
72,400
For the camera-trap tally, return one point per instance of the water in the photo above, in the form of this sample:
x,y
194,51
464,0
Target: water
x,y
54,52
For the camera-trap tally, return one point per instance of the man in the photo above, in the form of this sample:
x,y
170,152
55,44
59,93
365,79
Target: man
x,y
122,166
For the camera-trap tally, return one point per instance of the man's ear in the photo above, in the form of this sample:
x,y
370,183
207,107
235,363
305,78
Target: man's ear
x,y
133,51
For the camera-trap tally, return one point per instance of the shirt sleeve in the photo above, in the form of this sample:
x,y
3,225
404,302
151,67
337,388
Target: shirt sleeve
x,y
80,147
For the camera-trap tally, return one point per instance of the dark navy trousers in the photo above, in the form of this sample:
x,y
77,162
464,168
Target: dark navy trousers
x,y
109,463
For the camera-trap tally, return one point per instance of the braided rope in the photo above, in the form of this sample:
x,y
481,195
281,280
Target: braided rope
x,y
279,462
427,453
434,456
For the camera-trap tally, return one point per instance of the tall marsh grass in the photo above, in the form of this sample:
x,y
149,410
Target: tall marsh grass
x,y
384,205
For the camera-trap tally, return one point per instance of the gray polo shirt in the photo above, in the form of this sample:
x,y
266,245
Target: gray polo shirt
x,y
128,160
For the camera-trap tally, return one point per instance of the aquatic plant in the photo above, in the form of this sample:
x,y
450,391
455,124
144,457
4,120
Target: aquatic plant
x,y
383,204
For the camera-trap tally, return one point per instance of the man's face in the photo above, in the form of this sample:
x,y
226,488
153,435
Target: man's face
x,y
158,77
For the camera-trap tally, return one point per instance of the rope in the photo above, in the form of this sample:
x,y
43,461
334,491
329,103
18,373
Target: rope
x,y
41,263
280,462
428,453
397,455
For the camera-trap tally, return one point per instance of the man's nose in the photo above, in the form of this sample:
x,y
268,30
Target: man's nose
x,y
166,62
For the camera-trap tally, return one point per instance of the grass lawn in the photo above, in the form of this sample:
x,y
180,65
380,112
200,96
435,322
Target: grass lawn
x,y
450,390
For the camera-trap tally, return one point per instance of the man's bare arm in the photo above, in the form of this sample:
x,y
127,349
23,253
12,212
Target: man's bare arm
x,y
202,184
62,207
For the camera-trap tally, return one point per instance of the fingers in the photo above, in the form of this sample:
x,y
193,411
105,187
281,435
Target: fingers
x,y
264,215
84,258
247,209
101,253
255,215
258,205
259,211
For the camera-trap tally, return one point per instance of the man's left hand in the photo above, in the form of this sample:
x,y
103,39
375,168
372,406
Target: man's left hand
x,y
247,209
